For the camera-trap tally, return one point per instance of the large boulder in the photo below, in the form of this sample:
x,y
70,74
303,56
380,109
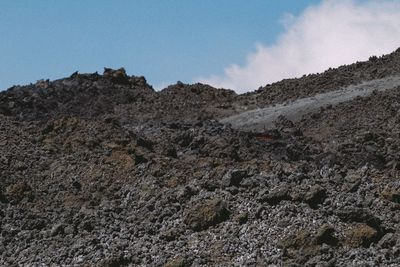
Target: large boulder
x,y
206,214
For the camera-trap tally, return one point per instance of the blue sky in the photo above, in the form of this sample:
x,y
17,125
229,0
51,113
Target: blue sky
x,y
165,41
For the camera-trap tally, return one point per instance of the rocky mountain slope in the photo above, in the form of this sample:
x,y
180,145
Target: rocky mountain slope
x,y
101,170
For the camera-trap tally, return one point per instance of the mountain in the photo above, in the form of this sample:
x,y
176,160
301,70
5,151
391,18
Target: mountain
x,y
102,170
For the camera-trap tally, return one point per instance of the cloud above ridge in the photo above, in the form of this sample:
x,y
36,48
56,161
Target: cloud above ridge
x,y
330,34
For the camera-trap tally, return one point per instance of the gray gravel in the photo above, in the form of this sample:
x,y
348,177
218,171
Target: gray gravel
x,y
261,119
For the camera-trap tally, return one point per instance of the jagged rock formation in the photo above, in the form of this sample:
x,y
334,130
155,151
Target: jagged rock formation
x,y
101,170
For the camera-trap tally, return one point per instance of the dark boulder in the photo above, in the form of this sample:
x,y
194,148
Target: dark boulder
x,y
206,214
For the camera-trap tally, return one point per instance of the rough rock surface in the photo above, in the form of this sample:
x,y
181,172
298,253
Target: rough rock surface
x,y
101,170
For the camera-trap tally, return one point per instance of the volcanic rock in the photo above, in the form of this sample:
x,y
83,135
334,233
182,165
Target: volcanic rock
x,y
361,235
315,196
206,214
102,170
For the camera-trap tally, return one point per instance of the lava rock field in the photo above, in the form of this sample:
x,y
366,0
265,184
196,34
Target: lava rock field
x,y
102,170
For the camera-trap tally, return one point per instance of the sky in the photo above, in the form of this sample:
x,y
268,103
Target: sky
x,y
234,44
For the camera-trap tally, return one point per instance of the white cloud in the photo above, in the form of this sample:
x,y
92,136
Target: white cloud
x,y
330,34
